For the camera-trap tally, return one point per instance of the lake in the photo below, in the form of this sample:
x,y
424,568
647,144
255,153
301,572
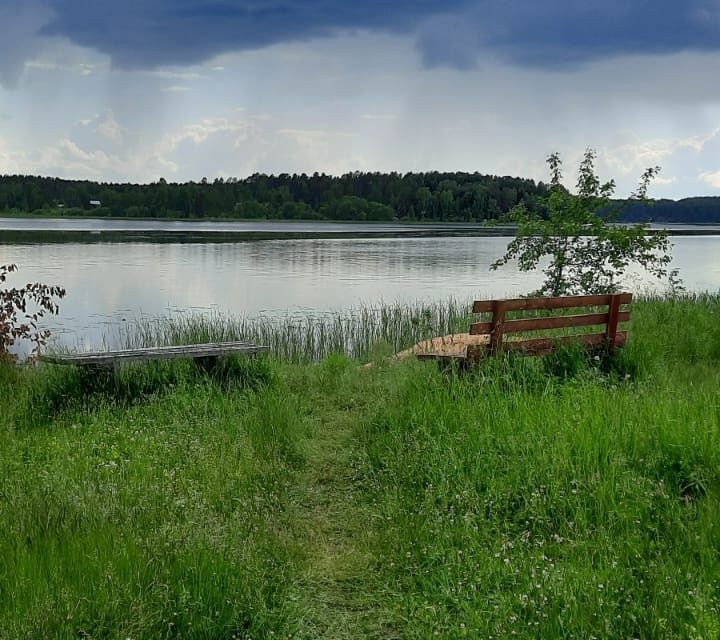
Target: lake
x,y
113,275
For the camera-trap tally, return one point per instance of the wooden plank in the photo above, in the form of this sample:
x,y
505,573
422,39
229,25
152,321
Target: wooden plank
x,y
457,357
545,346
555,322
563,302
100,358
613,319
496,332
480,328
151,354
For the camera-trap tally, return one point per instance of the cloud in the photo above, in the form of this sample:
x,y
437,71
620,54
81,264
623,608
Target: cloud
x,y
638,155
563,34
167,74
109,128
234,129
713,179
101,131
21,22
150,33
553,34
68,159
379,116
499,119
307,135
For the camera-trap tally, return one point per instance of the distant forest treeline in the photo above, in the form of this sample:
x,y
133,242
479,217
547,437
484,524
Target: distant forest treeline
x,y
690,210
354,196
431,197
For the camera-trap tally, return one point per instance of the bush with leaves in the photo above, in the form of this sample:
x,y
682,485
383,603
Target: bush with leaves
x,y
21,310
588,251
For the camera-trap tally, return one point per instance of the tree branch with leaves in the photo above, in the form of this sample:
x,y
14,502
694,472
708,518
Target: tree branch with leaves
x,y
588,250
21,310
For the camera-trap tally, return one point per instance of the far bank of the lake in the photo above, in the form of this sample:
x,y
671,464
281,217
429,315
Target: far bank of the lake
x,y
57,228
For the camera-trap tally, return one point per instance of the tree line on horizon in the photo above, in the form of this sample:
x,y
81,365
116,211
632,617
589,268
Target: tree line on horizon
x,y
354,196
358,196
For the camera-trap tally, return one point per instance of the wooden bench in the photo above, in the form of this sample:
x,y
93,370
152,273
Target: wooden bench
x,y
206,355
489,337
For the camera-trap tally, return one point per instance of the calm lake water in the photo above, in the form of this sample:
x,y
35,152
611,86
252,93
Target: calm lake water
x,y
115,281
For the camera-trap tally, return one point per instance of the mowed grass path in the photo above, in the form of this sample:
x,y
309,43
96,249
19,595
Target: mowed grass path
x,y
532,499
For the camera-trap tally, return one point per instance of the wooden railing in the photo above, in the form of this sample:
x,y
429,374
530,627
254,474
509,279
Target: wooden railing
x,y
499,325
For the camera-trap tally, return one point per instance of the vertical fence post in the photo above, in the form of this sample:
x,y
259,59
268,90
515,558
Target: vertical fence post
x,y
496,333
612,322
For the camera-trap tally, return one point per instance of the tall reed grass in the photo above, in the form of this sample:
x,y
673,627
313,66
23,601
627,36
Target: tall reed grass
x,y
359,333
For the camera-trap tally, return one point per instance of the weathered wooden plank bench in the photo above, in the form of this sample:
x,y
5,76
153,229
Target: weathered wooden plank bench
x,y
491,337
206,355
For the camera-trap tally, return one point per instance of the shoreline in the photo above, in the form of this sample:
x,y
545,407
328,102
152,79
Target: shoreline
x,y
22,229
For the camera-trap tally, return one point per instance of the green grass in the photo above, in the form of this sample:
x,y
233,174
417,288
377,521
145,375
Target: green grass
x,y
532,498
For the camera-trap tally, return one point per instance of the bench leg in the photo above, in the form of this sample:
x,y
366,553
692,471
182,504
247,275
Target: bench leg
x,y
99,370
455,365
207,363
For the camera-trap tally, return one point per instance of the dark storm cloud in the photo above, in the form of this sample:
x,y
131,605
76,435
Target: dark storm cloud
x,y
550,33
564,33
147,33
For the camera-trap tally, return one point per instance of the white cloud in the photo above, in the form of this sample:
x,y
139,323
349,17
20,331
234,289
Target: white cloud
x,y
166,74
44,65
82,68
638,155
712,179
109,128
310,136
198,132
67,159
379,116
697,143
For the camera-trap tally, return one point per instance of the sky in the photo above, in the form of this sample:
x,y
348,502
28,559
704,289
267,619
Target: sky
x,y
135,90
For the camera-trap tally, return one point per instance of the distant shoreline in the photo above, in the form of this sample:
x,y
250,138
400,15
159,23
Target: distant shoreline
x,y
197,231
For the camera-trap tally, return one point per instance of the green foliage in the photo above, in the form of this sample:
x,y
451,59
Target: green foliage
x,y
21,309
356,196
586,252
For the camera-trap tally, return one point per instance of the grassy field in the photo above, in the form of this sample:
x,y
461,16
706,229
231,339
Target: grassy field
x,y
541,498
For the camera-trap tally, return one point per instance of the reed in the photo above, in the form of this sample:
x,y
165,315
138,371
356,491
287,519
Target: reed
x,y
359,333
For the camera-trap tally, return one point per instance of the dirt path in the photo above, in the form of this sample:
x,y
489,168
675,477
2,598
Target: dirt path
x,y
337,587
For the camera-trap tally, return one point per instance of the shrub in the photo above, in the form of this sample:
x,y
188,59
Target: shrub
x,y
588,253
21,310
